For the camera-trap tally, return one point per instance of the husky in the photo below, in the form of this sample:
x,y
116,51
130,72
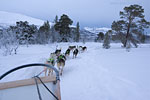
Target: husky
x,y
58,52
80,49
67,53
61,63
53,55
84,48
50,61
72,47
75,53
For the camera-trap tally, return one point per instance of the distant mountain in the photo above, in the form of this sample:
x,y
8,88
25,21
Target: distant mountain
x,y
87,36
8,18
97,30
90,34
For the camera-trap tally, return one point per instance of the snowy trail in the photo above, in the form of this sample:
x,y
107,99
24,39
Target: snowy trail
x,y
97,74
87,76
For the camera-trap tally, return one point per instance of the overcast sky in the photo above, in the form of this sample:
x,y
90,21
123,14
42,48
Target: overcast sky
x,y
92,13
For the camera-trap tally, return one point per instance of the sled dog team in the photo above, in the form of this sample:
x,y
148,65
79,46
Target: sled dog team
x,y
60,58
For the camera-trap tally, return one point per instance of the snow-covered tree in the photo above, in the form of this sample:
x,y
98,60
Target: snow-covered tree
x,y
62,26
44,32
107,39
25,32
118,30
100,37
55,36
77,32
56,19
9,42
143,38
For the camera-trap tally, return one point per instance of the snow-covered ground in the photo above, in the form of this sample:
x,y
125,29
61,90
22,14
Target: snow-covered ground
x,y
97,74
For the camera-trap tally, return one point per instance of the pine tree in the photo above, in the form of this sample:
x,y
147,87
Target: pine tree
x,y
118,29
77,32
100,36
62,26
45,27
32,31
55,35
134,23
45,30
107,39
143,37
56,19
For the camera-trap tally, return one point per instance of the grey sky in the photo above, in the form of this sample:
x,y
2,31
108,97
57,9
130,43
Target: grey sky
x,y
92,13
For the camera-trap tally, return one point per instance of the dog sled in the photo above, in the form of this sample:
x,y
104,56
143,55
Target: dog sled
x,y
36,88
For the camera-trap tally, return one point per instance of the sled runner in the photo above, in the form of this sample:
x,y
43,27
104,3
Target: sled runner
x,y
36,88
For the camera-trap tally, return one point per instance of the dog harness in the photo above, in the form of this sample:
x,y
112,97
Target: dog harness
x,y
60,57
67,52
50,59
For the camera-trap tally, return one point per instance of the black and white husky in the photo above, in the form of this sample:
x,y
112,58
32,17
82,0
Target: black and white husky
x,y
75,53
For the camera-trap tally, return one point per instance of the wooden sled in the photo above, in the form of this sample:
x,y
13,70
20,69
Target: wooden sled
x,y
36,88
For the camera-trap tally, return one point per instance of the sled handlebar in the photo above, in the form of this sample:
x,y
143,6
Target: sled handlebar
x,y
31,65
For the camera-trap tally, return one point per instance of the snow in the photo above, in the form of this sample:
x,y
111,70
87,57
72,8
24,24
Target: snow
x,y
8,18
96,74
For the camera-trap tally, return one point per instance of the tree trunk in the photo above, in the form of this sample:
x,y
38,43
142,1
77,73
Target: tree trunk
x,y
128,32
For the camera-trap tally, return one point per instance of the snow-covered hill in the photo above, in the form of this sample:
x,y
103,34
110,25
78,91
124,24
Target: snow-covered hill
x,y
90,34
97,74
97,30
8,18
87,36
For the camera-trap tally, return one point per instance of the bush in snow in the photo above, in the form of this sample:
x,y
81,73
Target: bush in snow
x,y
107,39
9,42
